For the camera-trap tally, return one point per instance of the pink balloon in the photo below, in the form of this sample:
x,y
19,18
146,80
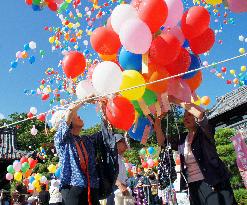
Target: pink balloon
x,y
179,89
135,36
150,163
17,166
175,12
237,6
9,176
176,31
18,54
58,1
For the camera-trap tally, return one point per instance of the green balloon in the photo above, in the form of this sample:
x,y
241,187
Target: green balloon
x,y
137,107
10,169
25,166
42,52
149,97
64,6
142,151
36,2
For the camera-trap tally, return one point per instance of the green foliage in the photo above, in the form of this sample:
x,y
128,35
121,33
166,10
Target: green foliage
x,y
223,136
241,196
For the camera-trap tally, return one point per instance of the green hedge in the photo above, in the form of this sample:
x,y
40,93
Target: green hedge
x,y
241,196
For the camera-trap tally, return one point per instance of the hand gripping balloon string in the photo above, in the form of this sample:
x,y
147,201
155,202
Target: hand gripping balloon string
x,y
126,89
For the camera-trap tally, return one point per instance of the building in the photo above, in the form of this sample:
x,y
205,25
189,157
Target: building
x,y
8,152
230,110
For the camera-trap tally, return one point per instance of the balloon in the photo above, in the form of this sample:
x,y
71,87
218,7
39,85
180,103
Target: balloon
x,y
31,59
34,131
181,64
203,43
10,169
151,150
32,162
150,163
136,3
107,77
25,166
135,36
177,32
23,159
142,151
58,172
36,7
205,100
179,89
18,176
108,23
195,63
13,64
26,182
18,54
32,45
33,110
132,78
136,131
130,61
52,168
28,173
45,97
175,12
112,58
137,108
149,97
120,15
144,164
164,49
17,166
153,13
52,6
29,2
195,21
195,81
73,64
43,180
41,117
237,6
213,2
9,176
159,87
26,47
120,113
105,41
84,89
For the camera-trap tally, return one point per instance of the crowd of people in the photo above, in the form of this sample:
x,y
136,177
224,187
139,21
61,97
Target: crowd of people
x,y
93,170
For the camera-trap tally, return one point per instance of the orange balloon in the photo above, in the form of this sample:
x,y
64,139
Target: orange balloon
x,y
24,54
108,57
195,81
28,173
205,100
159,87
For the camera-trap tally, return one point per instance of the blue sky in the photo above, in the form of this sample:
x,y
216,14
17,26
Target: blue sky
x,y
20,25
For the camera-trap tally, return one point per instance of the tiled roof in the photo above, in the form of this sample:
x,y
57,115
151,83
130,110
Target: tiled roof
x,y
229,101
8,145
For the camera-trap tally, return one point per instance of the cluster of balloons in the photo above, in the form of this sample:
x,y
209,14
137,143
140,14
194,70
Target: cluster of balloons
x,y
149,157
24,54
20,169
41,153
131,169
54,169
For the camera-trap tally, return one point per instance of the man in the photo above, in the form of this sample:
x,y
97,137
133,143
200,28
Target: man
x,y
121,183
44,196
79,176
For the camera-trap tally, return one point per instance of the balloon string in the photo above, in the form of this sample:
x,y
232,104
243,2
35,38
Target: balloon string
x,y
126,89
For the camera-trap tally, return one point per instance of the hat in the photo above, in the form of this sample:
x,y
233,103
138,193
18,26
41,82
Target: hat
x,y
118,137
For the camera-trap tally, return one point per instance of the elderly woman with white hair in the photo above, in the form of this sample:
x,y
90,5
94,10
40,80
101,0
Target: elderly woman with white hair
x,y
77,156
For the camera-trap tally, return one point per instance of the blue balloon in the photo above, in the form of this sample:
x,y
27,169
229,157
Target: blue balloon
x,y
36,7
31,59
186,44
26,47
195,63
130,61
151,150
58,172
136,133
13,64
31,179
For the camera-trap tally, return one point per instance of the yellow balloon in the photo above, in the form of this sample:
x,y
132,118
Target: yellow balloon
x,y
70,25
205,100
132,78
52,168
213,2
18,176
51,40
37,176
197,102
232,72
243,68
241,50
68,1
35,183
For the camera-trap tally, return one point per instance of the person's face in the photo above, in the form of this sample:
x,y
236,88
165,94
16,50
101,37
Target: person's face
x,y
189,120
77,122
121,147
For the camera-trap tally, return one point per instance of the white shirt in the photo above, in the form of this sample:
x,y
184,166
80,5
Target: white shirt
x,y
55,195
122,175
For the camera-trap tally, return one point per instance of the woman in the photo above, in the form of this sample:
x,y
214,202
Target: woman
x,y
207,177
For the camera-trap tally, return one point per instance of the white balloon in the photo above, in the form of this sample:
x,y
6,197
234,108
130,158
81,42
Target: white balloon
x,y
121,14
32,45
33,110
34,131
43,179
241,38
107,77
85,42
84,89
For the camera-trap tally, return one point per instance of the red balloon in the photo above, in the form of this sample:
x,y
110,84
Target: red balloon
x,y
144,164
164,49
73,64
195,21
32,162
153,13
41,117
45,97
29,115
120,113
181,64
29,2
136,3
105,41
52,6
23,159
203,43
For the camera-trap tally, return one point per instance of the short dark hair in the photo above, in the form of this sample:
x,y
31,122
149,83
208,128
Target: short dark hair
x,y
43,187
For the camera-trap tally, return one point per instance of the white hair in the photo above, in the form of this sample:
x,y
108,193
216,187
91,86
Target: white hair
x,y
56,118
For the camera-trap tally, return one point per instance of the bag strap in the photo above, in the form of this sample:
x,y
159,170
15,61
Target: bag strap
x,y
83,156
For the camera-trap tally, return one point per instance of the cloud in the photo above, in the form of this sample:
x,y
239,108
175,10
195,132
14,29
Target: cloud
x,y
1,116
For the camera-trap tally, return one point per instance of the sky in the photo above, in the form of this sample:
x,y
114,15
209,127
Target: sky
x,y
19,25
